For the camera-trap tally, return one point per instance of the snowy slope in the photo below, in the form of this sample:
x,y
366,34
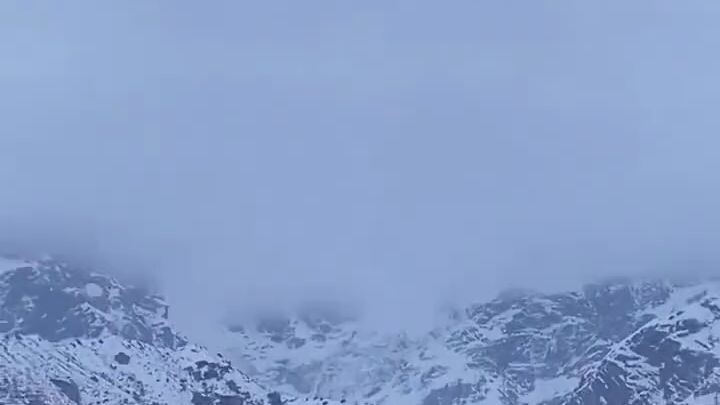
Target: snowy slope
x,y
622,342
68,336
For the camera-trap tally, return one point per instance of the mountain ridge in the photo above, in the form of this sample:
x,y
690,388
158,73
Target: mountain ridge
x,y
607,343
70,336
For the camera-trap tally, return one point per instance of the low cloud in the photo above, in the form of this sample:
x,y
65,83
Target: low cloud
x,y
398,161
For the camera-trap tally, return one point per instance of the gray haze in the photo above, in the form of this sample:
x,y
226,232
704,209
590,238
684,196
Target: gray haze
x,y
398,154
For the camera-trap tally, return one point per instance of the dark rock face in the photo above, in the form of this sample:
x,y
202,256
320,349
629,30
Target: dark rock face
x,y
69,389
56,301
205,370
122,358
670,360
449,394
275,399
658,359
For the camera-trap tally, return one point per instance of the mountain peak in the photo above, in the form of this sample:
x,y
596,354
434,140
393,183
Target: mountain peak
x,y
71,336
607,341
57,301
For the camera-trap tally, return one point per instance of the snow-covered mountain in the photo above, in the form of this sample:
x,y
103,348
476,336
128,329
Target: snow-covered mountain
x,y
68,336
617,343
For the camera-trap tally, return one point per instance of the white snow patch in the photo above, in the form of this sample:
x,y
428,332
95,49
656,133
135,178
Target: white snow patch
x,y
93,290
7,264
548,389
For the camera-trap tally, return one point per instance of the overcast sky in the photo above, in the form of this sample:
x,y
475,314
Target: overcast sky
x,y
398,153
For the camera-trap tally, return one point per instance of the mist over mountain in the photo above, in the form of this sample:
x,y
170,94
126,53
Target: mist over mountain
x,y
355,176
70,335
396,156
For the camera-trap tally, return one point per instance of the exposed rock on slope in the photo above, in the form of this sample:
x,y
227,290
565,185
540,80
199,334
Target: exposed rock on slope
x,y
616,343
72,337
